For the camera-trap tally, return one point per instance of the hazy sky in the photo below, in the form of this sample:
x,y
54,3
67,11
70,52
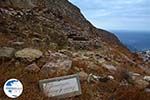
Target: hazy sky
x,y
116,14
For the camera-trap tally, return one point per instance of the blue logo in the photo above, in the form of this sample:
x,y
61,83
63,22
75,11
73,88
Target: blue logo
x,y
13,88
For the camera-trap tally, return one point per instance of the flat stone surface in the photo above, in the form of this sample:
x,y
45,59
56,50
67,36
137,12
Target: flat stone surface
x,y
61,87
29,54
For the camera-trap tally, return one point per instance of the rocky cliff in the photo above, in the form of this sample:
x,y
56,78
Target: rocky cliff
x,y
42,39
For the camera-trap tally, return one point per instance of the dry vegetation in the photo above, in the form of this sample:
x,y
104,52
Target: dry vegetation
x,y
90,91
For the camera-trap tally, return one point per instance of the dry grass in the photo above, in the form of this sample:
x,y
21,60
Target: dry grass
x,y
90,91
131,93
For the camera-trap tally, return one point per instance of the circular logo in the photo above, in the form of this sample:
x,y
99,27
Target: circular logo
x,y
13,88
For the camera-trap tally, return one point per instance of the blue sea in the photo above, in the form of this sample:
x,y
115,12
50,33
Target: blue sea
x,y
134,40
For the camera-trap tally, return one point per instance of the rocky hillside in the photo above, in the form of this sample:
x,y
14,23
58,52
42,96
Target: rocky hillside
x,y
39,23
42,39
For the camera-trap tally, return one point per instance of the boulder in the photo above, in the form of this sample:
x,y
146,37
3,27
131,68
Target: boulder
x,y
75,54
141,84
105,78
109,67
92,65
7,52
57,62
147,78
134,75
100,61
96,78
131,77
77,69
83,76
32,68
66,52
28,54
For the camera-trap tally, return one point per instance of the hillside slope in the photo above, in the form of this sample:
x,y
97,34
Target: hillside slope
x,y
35,34
51,19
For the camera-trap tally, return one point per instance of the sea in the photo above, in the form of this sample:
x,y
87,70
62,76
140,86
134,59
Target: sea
x,y
135,40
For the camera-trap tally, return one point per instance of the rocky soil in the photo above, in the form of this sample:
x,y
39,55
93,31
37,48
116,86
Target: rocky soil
x,y
41,39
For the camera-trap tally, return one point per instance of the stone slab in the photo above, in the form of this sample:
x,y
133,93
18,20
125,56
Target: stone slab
x,y
61,87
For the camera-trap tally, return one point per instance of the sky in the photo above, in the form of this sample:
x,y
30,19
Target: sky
x,y
116,14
